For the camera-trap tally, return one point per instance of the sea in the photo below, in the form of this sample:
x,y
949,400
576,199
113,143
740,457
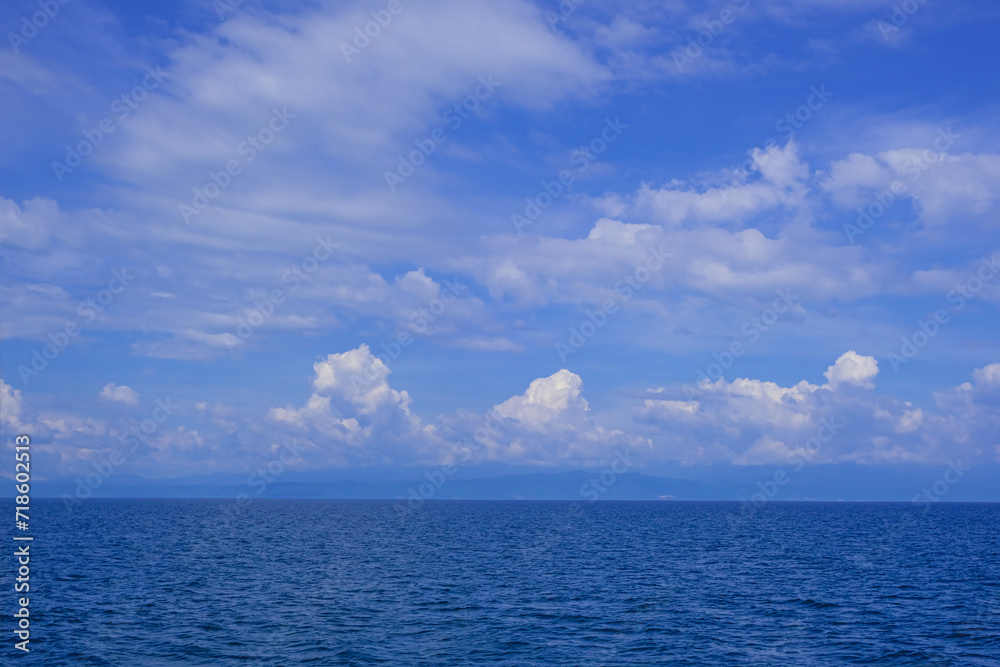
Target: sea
x,y
338,582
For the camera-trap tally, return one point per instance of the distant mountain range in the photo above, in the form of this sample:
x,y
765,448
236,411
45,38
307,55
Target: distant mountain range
x,y
848,482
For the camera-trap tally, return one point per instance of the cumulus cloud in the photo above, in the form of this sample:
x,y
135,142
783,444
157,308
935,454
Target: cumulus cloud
x,y
355,417
972,412
62,441
852,368
119,394
551,423
752,422
360,379
988,376
549,401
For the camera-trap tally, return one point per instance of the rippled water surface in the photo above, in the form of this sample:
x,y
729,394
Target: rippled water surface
x,y
157,582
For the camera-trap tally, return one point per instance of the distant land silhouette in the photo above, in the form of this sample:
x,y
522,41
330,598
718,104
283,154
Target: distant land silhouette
x,y
849,482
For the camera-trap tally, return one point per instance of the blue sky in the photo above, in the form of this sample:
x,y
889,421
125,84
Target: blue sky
x,y
716,155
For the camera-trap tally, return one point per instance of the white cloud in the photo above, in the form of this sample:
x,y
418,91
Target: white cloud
x,y
854,173
765,450
119,394
27,226
751,422
718,262
781,184
852,368
944,188
225,84
550,424
361,379
548,401
11,407
355,417
988,376
61,441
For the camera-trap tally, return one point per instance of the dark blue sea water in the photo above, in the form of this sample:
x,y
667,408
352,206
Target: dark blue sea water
x,y
163,582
